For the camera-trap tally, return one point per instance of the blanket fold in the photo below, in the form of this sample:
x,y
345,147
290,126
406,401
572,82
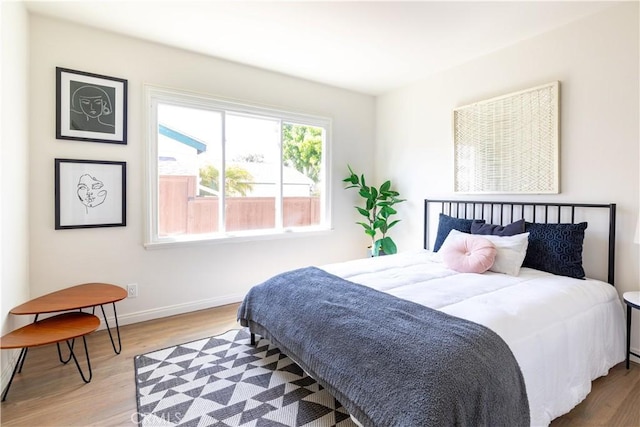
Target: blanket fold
x,y
390,362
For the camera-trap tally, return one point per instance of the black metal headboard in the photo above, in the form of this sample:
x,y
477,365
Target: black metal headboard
x,y
501,212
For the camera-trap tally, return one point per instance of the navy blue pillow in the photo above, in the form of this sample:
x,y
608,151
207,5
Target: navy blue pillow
x,y
556,248
479,227
447,223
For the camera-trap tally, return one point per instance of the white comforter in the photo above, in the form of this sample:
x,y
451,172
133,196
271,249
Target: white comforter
x,y
563,332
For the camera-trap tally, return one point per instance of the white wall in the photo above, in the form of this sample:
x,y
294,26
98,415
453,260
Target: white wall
x,y
176,279
596,61
14,168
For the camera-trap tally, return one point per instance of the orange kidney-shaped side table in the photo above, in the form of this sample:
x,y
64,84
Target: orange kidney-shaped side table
x,y
65,326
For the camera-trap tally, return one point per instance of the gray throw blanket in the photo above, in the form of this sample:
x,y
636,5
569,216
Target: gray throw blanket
x,y
390,362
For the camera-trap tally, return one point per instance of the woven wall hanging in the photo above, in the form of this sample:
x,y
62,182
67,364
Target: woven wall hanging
x,y
508,144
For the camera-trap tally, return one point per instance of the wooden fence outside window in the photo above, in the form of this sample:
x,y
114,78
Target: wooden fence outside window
x,y
181,212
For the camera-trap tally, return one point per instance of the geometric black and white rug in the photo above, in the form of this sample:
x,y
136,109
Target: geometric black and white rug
x,y
225,381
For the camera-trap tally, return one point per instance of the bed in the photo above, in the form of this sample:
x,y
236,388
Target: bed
x,y
407,340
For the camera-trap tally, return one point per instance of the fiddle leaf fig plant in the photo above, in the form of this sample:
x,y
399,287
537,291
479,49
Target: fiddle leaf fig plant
x,y
377,211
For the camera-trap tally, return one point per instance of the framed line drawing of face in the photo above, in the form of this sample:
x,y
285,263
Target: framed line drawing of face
x,y
90,193
90,107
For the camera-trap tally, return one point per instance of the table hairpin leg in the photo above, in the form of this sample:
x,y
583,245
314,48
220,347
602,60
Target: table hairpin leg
x,y
21,359
115,316
64,362
18,368
86,352
106,322
26,349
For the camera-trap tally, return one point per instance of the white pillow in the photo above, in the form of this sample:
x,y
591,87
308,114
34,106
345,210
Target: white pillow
x,y
510,250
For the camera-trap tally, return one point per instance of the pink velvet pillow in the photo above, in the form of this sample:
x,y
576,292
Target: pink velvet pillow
x,y
469,254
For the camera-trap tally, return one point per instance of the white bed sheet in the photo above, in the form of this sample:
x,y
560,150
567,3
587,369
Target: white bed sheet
x,y
563,332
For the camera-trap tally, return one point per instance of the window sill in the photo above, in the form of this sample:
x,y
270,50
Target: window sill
x,y
234,237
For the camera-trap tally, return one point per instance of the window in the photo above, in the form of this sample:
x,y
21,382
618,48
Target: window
x,y
220,170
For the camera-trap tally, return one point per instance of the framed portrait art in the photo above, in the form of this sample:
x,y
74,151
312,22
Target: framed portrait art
x,y
90,107
90,193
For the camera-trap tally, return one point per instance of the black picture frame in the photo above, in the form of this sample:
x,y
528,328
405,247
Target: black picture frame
x,y
90,107
90,193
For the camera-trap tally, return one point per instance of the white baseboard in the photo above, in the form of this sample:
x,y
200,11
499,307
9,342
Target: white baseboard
x,y
127,319
171,310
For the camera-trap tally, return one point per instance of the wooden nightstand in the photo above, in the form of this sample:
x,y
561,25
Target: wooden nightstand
x,y
632,299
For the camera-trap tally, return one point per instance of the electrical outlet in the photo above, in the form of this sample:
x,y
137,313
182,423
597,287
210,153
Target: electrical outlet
x,y
132,290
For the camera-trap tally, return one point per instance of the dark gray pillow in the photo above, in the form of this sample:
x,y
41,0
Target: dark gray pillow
x,y
447,223
512,229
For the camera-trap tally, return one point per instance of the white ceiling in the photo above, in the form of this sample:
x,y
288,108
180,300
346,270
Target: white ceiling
x,y
369,47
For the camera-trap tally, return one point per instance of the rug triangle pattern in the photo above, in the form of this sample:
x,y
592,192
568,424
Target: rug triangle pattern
x,y
225,381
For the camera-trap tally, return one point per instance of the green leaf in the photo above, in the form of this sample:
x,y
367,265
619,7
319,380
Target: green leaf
x,y
378,223
374,193
385,187
353,179
393,223
363,212
370,204
388,246
388,211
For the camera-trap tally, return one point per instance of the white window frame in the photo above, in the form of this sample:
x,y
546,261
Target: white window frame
x,y
154,95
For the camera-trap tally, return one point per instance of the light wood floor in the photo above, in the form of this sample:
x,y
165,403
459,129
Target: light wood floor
x,y
47,393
